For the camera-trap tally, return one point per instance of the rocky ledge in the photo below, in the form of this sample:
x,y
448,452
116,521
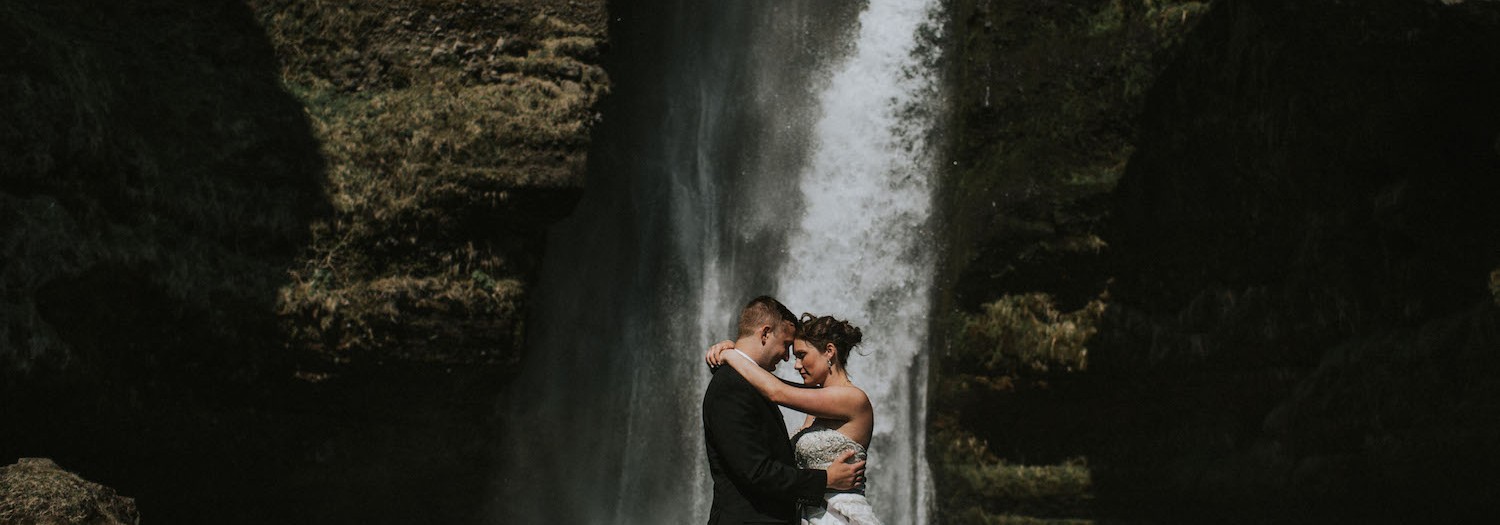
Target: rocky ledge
x,y
455,133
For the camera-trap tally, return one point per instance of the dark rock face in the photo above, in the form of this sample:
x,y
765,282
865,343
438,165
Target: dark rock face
x,y
1360,161
1309,218
36,490
1047,98
150,207
1300,256
280,251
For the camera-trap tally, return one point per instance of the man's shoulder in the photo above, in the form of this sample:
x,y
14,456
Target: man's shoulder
x,y
727,380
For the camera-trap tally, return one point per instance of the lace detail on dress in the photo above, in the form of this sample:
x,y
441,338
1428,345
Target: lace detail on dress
x,y
816,446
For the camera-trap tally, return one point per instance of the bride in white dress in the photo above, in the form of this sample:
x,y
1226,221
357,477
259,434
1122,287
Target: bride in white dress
x,y
839,415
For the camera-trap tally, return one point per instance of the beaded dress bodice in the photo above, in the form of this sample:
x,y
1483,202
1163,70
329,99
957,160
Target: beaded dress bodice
x,y
817,445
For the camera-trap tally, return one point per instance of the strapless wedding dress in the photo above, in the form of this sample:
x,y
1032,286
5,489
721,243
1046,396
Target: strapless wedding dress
x,y
816,446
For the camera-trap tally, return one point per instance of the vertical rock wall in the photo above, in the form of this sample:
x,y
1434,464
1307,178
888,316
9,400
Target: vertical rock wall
x,y
1288,312
455,133
267,261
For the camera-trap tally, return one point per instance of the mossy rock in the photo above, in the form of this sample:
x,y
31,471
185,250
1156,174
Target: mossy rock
x,y
37,491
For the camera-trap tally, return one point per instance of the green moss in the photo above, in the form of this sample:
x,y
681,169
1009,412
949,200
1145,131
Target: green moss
x,y
983,489
1026,334
1495,285
455,132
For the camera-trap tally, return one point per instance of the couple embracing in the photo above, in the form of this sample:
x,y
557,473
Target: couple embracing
x,y
759,475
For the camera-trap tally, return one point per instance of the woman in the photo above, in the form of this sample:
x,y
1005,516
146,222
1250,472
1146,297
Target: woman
x,y
839,414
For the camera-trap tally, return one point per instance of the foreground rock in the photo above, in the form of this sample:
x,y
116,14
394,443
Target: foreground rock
x,y
36,490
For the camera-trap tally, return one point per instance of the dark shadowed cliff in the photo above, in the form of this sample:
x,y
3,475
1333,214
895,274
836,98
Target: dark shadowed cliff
x,y
1287,309
268,261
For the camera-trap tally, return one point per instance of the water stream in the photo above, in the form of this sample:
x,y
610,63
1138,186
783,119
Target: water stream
x,y
748,148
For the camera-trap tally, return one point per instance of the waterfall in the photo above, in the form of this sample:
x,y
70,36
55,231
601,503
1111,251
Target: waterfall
x,y
862,250
748,147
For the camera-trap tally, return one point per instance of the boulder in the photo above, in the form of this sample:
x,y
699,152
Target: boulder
x,y
36,490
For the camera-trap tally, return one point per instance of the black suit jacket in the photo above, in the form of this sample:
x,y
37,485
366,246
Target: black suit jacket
x,y
755,477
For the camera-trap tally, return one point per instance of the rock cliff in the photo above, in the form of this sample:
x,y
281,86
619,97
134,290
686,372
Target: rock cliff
x,y
283,246
1288,309
455,133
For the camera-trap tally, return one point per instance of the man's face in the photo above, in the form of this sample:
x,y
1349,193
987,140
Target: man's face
x,y
778,345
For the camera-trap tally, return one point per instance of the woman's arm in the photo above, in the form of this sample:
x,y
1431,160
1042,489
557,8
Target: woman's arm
x,y
838,403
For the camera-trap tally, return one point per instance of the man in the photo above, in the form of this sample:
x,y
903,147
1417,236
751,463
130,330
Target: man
x,y
755,478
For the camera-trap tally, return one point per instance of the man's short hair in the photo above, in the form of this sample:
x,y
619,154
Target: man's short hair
x,y
762,311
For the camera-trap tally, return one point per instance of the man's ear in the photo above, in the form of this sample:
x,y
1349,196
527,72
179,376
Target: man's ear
x,y
765,334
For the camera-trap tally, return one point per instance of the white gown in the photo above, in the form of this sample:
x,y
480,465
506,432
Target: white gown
x,y
815,447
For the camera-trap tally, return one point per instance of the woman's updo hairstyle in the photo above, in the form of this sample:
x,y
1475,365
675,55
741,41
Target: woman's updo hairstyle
x,y
826,329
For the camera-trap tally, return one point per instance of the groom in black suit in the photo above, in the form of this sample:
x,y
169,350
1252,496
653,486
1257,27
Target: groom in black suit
x,y
755,478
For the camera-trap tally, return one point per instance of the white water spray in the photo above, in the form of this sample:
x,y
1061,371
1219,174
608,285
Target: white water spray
x,y
726,111
863,250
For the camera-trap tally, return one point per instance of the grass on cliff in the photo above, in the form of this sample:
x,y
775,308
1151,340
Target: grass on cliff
x,y
995,491
453,130
1026,333
1495,284
1014,343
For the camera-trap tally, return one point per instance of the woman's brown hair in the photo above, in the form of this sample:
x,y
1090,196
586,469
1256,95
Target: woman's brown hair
x,y
820,331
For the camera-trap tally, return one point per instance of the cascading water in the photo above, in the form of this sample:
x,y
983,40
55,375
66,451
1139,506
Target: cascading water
x,y
862,251
749,147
